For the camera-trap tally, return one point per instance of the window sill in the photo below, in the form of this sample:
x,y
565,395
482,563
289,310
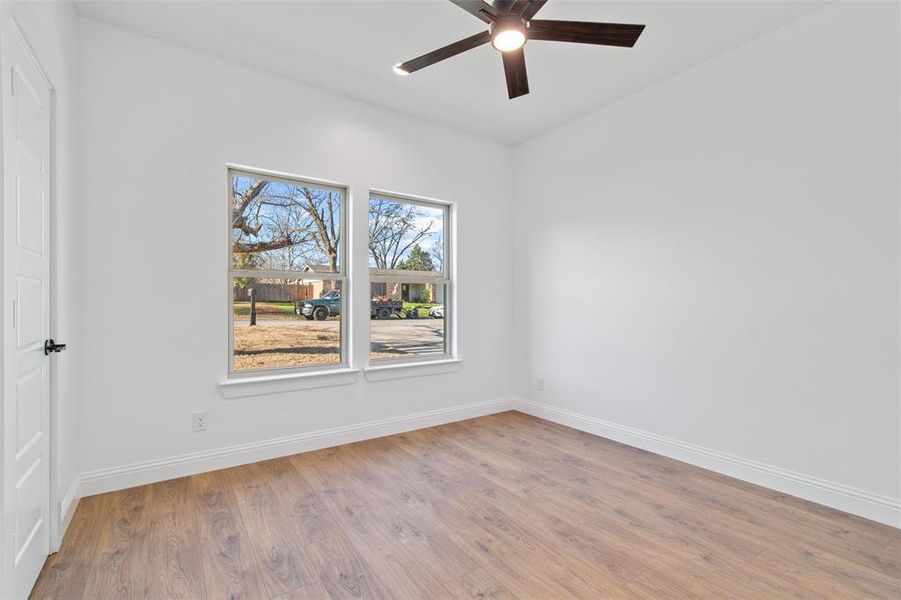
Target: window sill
x,y
413,369
274,384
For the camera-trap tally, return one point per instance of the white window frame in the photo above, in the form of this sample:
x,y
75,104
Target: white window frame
x,y
446,278
341,276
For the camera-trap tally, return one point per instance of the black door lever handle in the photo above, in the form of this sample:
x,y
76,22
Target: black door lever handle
x,y
51,346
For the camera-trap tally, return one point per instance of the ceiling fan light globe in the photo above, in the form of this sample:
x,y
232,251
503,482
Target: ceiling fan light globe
x,y
508,34
508,40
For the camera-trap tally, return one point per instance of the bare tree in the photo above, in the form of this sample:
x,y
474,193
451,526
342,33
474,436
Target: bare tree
x,y
393,230
321,208
285,221
437,252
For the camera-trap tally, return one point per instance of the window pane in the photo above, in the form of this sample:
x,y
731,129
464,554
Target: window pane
x,y
284,226
406,236
286,324
408,320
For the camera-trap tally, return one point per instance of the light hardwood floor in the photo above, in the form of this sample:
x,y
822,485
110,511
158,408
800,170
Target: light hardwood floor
x,y
506,506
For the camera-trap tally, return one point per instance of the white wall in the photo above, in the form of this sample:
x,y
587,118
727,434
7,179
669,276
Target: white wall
x,y
159,124
50,29
715,259
720,266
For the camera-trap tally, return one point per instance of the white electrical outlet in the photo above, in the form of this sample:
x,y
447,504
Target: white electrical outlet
x,y
539,385
200,421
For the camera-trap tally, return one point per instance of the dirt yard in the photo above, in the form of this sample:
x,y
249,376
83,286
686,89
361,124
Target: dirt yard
x,y
268,346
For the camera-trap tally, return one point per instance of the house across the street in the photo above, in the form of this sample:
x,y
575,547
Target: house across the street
x,y
389,290
408,292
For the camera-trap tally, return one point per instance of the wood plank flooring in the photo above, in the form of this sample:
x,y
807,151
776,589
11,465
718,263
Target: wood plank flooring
x,y
505,506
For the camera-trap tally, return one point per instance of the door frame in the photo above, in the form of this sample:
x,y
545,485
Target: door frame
x,y
9,28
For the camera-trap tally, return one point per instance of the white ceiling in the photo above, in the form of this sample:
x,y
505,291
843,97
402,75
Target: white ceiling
x,y
349,47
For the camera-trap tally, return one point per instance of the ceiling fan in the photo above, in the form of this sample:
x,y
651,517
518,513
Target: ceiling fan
x,y
510,26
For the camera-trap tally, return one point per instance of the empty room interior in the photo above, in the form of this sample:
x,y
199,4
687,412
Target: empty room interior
x,y
450,299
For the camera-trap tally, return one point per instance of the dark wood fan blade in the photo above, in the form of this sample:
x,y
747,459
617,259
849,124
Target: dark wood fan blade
x,y
440,54
527,8
515,70
605,34
480,9
504,5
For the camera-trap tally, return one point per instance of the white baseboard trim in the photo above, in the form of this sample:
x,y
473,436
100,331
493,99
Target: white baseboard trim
x,y
882,509
126,476
67,506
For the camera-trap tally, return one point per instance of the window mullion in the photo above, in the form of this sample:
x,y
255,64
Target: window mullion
x,y
304,275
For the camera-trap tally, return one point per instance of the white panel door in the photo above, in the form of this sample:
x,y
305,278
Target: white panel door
x,y
26,319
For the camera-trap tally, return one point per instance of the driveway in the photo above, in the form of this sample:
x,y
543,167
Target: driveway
x,y
410,336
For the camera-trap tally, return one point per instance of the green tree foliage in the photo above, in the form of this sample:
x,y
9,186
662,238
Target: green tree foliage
x,y
248,261
419,260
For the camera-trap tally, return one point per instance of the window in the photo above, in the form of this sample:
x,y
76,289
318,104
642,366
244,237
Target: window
x,y
409,279
287,277
286,273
